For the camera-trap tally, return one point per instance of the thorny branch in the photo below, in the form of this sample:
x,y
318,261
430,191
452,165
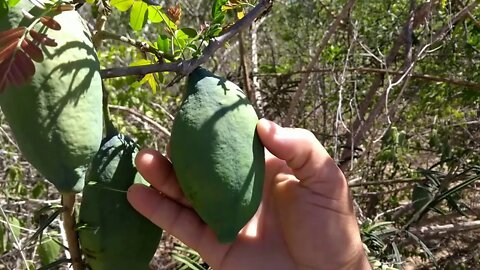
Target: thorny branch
x,y
184,67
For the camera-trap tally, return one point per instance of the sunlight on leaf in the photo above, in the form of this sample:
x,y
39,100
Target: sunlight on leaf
x,y
151,81
137,15
122,5
140,62
240,14
188,32
12,3
148,78
163,43
155,14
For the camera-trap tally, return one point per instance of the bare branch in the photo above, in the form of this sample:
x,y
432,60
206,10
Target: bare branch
x,y
413,75
245,70
435,230
385,182
323,43
255,80
143,117
184,67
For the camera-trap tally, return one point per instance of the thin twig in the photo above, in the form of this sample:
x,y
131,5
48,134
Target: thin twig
x,y
164,110
413,75
245,71
386,182
142,117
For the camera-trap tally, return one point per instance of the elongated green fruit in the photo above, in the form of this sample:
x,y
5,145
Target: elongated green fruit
x,y
56,119
216,153
113,235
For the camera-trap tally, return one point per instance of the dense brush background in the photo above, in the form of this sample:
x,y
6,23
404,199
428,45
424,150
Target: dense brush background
x,y
416,157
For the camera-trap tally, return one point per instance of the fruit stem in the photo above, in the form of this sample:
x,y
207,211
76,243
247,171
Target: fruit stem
x,y
68,216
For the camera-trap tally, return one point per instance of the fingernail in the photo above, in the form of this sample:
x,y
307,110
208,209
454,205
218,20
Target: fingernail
x,y
268,124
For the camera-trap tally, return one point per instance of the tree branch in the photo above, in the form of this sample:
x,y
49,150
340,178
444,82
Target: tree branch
x,y
323,43
184,67
413,75
435,230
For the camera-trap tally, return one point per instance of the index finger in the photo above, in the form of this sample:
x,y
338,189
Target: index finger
x,y
305,155
158,171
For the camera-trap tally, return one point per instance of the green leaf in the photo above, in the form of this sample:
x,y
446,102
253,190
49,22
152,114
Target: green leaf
x,y
3,8
421,196
189,32
122,5
148,78
137,15
155,14
38,190
163,43
15,225
151,81
217,9
48,251
12,3
140,62
180,35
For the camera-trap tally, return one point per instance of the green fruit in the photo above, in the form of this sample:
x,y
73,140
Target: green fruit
x,y
56,118
113,235
216,153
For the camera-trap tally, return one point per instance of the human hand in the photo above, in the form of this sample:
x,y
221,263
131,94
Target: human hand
x,y
305,221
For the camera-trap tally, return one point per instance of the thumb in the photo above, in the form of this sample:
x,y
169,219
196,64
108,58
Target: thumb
x,y
303,153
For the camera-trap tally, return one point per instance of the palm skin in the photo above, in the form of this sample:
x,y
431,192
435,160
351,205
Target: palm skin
x,y
305,221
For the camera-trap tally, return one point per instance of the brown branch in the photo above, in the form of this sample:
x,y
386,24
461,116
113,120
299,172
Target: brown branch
x,y
386,182
413,75
436,230
379,193
184,67
243,64
323,43
69,215
254,60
